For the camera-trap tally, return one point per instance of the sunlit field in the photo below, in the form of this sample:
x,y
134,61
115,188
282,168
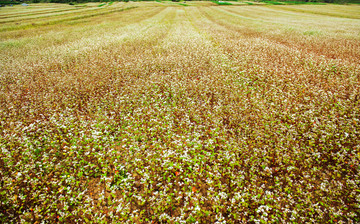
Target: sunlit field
x,y
165,112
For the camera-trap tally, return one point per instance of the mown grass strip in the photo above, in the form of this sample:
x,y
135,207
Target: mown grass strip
x,y
37,13
49,15
325,13
32,25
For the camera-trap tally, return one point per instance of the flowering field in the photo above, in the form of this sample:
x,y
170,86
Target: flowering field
x,y
163,112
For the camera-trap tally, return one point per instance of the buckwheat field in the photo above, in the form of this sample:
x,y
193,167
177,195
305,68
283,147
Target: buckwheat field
x,y
164,112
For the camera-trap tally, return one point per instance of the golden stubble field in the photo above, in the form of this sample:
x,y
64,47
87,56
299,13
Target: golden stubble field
x,y
161,112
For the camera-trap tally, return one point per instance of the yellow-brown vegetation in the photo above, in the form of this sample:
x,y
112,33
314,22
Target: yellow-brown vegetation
x,y
146,112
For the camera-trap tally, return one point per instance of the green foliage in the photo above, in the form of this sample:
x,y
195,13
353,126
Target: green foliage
x,y
222,3
9,3
274,3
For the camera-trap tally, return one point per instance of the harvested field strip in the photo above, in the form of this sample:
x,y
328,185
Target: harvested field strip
x,y
31,13
330,46
280,17
16,37
46,15
40,12
297,22
87,44
18,10
60,20
273,47
329,10
255,54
